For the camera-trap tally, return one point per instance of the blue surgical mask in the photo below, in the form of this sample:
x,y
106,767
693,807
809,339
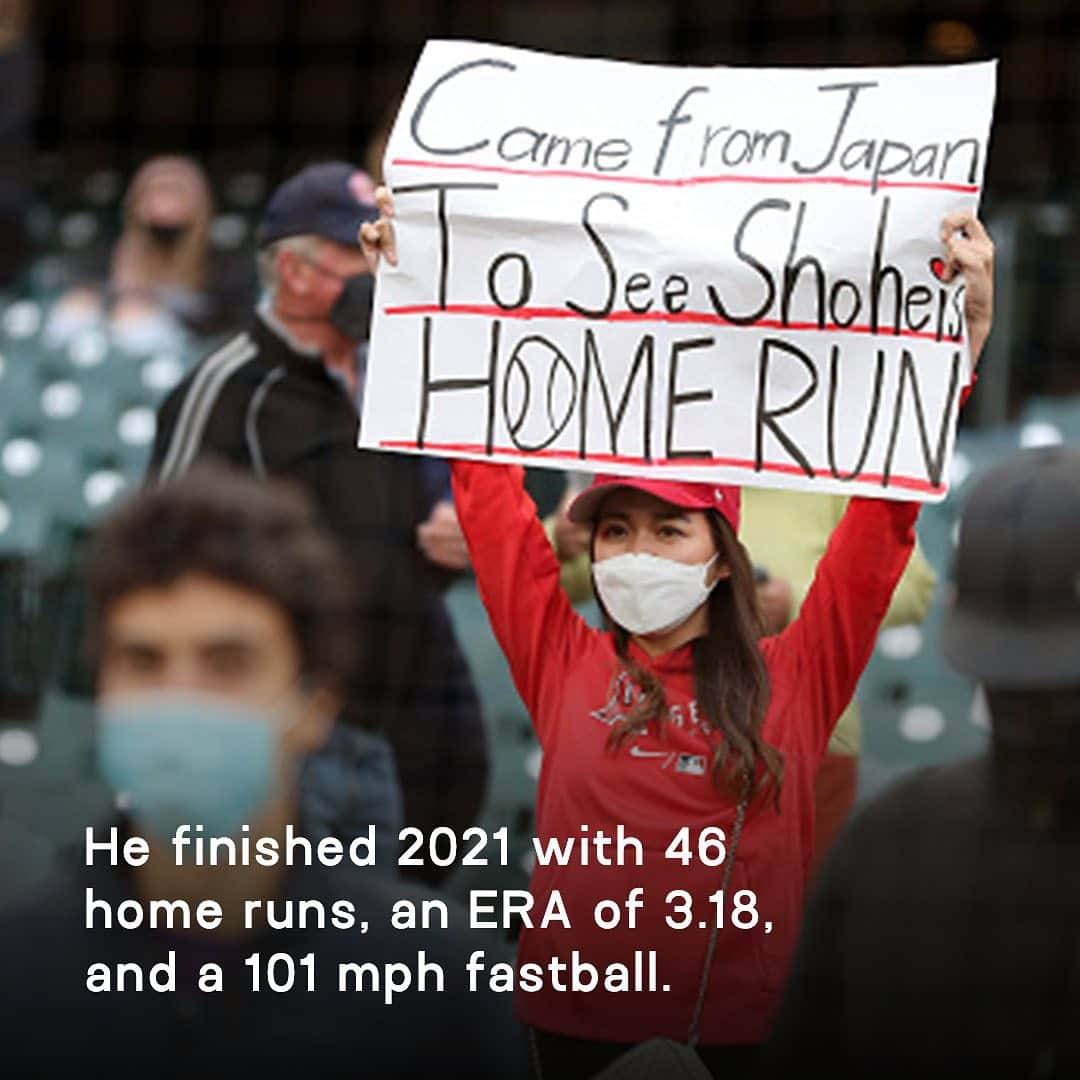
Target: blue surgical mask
x,y
184,758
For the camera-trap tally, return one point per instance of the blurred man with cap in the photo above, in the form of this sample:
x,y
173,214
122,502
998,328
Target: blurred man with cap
x,y
281,398
944,938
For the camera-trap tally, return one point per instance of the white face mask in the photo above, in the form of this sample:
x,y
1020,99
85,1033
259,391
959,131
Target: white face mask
x,y
649,595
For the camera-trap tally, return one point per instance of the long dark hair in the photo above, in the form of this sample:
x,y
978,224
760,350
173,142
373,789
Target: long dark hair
x,y
731,681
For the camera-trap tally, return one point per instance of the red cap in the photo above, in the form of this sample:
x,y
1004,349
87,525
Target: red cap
x,y
723,498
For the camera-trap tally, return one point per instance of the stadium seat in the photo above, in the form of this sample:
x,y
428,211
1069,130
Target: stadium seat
x,y
60,813
66,735
18,387
26,862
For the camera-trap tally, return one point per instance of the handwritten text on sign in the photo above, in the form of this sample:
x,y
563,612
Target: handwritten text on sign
x,y
718,273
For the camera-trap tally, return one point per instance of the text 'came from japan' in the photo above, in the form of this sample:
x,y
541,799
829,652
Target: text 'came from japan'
x,y
718,274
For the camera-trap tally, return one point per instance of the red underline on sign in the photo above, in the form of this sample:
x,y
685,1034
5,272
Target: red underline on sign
x,y
492,311
687,181
909,483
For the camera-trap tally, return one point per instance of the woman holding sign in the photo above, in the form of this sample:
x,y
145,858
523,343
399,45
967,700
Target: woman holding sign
x,y
675,804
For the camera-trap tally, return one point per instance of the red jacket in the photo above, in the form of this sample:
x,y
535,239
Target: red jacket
x,y
564,671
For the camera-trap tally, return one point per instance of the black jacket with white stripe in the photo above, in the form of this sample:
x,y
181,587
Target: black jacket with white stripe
x,y
258,403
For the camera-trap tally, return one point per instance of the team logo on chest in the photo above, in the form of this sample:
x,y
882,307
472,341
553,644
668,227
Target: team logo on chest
x,y
621,700
623,695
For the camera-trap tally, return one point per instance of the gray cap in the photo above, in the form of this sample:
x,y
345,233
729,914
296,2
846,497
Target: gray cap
x,y
1014,622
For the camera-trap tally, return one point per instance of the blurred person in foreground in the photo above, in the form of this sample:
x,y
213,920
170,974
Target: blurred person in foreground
x,y
786,534
280,398
162,283
944,936
222,637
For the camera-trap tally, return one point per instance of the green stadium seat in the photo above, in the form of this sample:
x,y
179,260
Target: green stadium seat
x,y
36,475
1045,421
20,756
18,388
125,436
66,730
20,326
69,413
60,813
23,526
159,373
26,863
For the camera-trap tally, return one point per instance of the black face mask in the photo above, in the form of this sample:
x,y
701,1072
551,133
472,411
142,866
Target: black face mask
x,y
165,237
351,314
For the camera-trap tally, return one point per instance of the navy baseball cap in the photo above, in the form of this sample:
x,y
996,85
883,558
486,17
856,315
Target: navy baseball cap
x,y
331,199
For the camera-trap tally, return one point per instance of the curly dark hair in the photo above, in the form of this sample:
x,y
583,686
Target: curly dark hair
x,y
258,535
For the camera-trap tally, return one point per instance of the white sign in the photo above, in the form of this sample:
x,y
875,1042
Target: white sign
x,y
706,273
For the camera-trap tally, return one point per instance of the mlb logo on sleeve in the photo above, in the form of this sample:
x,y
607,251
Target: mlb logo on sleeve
x,y
694,764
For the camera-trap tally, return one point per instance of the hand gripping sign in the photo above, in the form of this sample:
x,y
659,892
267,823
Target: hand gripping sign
x,y
702,273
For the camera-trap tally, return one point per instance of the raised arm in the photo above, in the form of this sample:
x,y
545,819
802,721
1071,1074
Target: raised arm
x,y
830,642
518,577
914,593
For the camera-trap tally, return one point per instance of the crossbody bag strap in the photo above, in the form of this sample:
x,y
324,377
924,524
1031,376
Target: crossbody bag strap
x,y
729,867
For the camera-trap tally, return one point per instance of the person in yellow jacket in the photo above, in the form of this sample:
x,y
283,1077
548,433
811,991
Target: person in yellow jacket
x,y
785,533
